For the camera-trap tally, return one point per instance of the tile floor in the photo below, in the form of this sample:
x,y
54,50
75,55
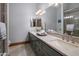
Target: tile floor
x,y
21,50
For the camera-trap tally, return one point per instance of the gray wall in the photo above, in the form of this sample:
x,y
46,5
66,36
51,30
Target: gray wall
x,y
52,15
75,14
19,21
50,18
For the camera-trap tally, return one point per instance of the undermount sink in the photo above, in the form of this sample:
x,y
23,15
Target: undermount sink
x,y
68,42
55,39
50,38
41,34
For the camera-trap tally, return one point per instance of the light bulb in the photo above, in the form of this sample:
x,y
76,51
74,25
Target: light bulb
x,y
38,11
42,12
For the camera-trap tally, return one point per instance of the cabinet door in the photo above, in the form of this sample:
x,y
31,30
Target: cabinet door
x,y
38,47
32,40
43,52
50,51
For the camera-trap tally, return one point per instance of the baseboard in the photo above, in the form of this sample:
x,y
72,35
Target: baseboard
x,y
18,43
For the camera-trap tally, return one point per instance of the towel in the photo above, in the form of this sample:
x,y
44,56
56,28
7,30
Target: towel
x,y
70,27
2,31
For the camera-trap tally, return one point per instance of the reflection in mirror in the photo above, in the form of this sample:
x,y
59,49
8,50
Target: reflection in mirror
x,y
71,19
54,18
37,22
34,22
51,18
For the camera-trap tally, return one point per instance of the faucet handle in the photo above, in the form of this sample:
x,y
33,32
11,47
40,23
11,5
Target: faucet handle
x,y
65,37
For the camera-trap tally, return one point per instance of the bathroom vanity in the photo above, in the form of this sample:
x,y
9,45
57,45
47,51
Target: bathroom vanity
x,y
51,46
41,48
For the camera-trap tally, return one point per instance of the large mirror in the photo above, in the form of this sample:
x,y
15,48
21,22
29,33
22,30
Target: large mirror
x,y
49,17
54,18
71,19
59,17
62,18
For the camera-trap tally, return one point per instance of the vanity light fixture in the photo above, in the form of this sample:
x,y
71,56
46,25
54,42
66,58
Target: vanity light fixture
x,y
68,17
39,11
71,16
42,12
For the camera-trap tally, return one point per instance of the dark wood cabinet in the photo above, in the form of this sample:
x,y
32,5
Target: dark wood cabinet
x,y
41,48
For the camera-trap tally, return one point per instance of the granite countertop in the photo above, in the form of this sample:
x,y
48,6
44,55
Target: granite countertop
x,y
60,46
